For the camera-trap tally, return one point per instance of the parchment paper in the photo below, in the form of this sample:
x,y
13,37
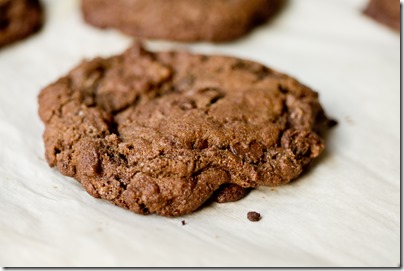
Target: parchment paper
x,y
344,212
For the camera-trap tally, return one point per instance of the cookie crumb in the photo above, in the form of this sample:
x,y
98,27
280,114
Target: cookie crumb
x,y
183,223
253,216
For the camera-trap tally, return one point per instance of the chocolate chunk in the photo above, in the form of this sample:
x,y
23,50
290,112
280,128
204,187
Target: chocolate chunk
x,y
230,193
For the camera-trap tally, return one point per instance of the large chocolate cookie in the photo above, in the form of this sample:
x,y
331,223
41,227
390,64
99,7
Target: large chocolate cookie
x,y
164,132
183,20
386,12
18,19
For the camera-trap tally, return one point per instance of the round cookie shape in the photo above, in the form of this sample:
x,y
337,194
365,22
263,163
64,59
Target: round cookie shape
x,y
18,19
164,132
180,20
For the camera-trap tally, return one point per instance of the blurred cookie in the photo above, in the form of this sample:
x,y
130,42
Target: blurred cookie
x,y
386,12
181,20
18,19
165,132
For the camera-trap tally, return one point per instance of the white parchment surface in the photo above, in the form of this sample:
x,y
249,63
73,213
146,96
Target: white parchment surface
x,y
344,212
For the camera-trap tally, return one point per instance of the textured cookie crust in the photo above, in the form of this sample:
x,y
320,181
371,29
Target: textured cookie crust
x,y
18,19
386,12
164,132
182,20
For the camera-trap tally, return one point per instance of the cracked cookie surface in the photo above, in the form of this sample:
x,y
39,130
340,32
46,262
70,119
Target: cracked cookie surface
x,y
18,19
181,20
164,132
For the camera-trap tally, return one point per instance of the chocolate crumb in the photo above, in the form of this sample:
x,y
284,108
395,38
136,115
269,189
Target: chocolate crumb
x,y
183,222
253,216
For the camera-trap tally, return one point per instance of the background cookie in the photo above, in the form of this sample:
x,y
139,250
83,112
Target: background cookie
x,y
386,12
182,20
18,19
162,132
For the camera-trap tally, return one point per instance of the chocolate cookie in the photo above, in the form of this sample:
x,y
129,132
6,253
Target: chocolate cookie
x,y
181,20
18,19
386,12
161,132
